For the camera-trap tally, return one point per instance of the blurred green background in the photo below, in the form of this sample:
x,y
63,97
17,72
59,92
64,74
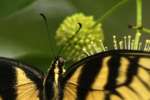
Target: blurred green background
x,y
23,34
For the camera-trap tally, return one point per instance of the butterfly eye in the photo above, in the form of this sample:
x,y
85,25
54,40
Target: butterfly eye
x,y
61,61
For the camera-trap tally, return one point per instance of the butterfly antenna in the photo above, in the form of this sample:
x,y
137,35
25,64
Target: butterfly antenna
x,y
49,35
70,39
45,20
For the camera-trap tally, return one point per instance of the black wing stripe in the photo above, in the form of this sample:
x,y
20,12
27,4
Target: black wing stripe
x,y
113,66
148,70
132,70
7,80
87,77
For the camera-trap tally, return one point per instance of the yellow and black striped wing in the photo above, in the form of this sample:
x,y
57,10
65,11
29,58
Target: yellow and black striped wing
x,y
19,81
112,75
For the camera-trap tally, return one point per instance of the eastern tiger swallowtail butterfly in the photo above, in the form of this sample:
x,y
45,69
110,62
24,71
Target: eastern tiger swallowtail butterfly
x,y
110,75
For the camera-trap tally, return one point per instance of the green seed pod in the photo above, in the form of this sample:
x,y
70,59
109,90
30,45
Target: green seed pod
x,y
77,40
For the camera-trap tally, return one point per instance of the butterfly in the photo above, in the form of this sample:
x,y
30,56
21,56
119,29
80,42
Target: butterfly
x,y
109,75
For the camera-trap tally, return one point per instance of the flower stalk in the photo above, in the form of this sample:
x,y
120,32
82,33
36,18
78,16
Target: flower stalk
x,y
138,23
110,11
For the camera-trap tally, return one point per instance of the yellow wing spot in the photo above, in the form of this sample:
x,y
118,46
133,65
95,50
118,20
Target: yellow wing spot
x,y
145,62
1,98
21,77
27,91
144,75
102,75
26,88
124,64
75,76
143,92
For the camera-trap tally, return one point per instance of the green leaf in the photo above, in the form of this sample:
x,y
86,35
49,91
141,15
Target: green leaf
x,y
8,7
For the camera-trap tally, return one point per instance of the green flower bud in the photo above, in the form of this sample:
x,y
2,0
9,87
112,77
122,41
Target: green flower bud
x,y
88,37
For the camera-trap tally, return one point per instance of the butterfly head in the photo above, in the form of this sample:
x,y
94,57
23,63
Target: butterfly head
x,y
58,65
53,80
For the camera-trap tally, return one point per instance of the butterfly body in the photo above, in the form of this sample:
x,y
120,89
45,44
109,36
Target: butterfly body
x,y
53,81
111,75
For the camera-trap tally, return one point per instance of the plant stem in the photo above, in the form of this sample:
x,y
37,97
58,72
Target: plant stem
x,y
138,22
146,30
139,13
110,11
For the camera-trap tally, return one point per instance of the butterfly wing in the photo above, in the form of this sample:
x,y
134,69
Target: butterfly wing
x,y
19,81
113,75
